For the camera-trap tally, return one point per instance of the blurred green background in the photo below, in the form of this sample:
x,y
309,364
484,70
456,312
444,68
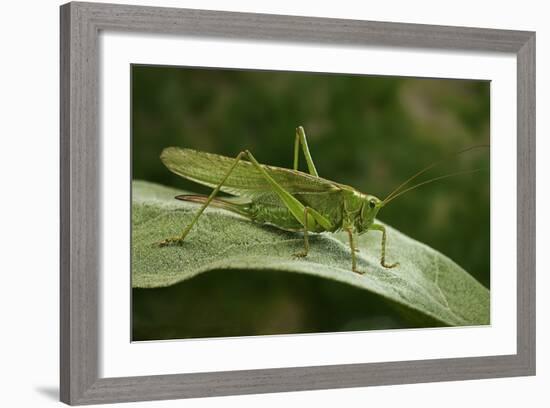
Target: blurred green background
x,y
369,132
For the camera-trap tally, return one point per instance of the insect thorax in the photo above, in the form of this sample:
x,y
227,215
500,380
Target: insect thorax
x,y
359,211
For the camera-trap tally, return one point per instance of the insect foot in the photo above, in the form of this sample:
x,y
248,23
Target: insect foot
x,y
169,242
302,254
358,271
389,266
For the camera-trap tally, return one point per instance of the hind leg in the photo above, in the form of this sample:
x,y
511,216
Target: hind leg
x,y
179,240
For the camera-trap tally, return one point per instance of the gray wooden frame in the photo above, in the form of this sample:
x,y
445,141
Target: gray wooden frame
x,y
80,192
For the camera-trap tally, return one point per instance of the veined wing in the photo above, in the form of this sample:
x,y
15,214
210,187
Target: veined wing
x,y
245,180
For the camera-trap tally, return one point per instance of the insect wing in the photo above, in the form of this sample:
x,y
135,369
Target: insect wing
x,y
245,180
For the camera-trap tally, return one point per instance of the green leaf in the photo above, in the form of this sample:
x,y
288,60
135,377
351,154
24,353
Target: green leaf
x,y
425,281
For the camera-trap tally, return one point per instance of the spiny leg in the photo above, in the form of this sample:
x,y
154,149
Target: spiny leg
x,y
307,216
381,228
301,140
295,207
306,240
181,238
353,251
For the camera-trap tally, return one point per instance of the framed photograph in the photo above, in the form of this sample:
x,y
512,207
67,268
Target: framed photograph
x,y
259,203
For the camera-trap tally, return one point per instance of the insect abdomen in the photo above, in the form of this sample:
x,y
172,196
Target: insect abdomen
x,y
275,215
261,212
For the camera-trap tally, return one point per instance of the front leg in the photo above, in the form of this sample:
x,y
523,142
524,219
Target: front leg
x,y
381,228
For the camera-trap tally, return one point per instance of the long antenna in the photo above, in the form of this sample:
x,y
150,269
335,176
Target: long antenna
x,y
458,173
431,166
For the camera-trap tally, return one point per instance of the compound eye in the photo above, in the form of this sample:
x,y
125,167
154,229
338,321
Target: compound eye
x,y
372,204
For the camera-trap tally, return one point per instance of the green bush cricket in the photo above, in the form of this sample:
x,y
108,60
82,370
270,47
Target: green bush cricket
x,y
288,199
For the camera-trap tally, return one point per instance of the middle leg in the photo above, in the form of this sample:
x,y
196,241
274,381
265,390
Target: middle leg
x,y
306,240
353,251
